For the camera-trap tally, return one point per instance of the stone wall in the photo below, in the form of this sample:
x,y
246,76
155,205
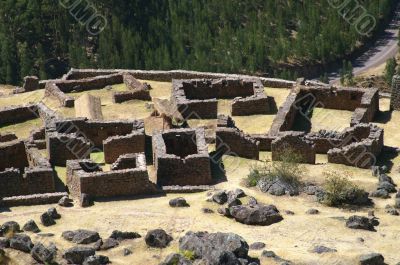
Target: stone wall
x,y
34,199
232,141
125,162
172,169
286,116
294,143
88,106
116,146
13,154
7,136
168,76
52,90
362,153
17,114
99,184
123,96
395,97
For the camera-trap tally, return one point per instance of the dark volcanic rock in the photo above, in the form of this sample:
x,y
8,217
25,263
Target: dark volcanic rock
x,y
322,249
4,242
42,254
256,215
81,236
252,201
220,197
380,193
176,259
53,213
224,211
47,220
389,187
178,202
360,222
78,254
85,200
119,235
96,260
216,248
372,259
9,227
31,226
257,245
277,187
21,242
236,194
157,238
109,243
65,202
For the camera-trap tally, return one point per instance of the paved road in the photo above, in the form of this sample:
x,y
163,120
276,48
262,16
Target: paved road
x,y
384,48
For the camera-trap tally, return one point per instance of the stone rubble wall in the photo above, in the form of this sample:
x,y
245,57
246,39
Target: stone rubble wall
x,y
294,142
123,96
362,153
34,199
52,90
99,184
126,161
7,137
193,169
18,114
13,155
116,146
168,76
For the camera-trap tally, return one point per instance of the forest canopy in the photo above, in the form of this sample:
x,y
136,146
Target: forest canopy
x,y
41,37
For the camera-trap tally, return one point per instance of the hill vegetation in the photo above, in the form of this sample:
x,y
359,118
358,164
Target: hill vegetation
x,y
41,37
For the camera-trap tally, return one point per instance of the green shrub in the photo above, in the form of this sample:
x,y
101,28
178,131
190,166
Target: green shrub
x,y
288,170
339,190
188,254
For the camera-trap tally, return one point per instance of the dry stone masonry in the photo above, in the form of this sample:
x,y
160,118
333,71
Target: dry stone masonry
x,y
181,157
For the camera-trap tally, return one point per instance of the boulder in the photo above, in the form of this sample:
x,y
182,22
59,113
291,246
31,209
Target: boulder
x,y
119,235
178,202
392,211
380,193
31,226
176,259
360,222
257,246
389,187
215,248
252,201
236,194
157,238
109,243
53,213
85,200
372,259
78,254
233,202
21,242
96,260
65,202
256,215
220,197
386,178
42,254
46,219
4,242
322,249
9,227
81,236
224,211
278,187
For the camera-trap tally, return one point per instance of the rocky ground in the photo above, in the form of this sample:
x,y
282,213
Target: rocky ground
x,y
225,225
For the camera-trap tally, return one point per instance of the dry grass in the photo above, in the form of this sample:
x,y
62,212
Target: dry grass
x,y
330,119
23,129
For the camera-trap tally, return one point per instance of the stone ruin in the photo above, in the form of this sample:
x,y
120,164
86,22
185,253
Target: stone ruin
x,y
69,139
124,179
88,106
230,140
181,157
395,96
198,98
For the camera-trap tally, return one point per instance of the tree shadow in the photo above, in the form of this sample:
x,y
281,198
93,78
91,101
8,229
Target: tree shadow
x,y
217,167
386,157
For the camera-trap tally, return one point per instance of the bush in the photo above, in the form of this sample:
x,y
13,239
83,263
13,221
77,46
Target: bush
x,y
189,255
288,170
339,190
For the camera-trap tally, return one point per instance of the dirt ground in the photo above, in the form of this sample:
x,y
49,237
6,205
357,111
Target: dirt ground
x,y
291,239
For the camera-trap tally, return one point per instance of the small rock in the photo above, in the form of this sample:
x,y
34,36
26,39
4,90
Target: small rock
x,y
397,203
380,193
4,242
386,178
109,243
312,211
236,194
47,220
234,202
372,259
252,201
78,254
42,254
360,222
53,213
389,187
178,202
371,214
81,236
289,212
220,197
322,249
96,260
157,238
85,200
119,235
257,246
31,226
224,211
9,227
176,258
392,211
127,252
398,194
21,242
65,202
268,254
360,239
207,210
98,244
256,215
